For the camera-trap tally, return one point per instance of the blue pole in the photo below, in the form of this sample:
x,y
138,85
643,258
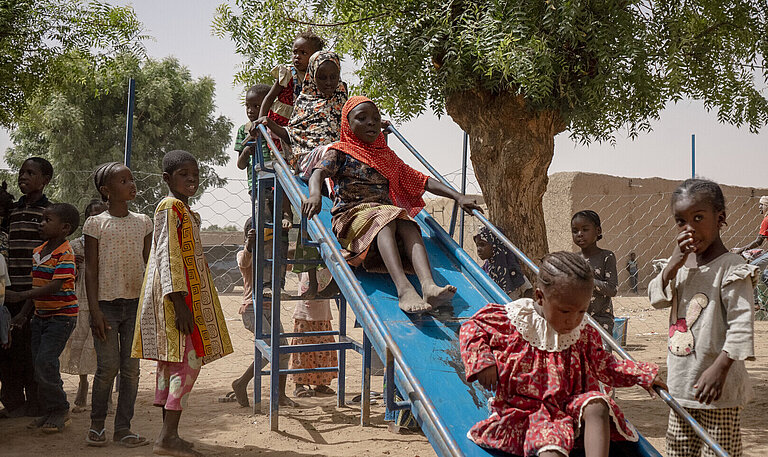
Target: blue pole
x,y
463,186
693,155
129,121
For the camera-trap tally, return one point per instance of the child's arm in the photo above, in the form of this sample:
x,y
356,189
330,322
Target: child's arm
x,y
99,323
736,295
466,202
48,289
185,322
270,98
313,204
474,342
609,287
245,154
277,129
661,289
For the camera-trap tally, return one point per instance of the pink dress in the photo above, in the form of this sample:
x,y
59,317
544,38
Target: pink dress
x,y
545,379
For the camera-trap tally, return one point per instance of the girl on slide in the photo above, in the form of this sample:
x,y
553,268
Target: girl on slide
x,y
376,197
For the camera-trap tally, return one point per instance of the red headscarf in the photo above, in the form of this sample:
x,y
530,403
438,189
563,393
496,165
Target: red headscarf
x,y
406,185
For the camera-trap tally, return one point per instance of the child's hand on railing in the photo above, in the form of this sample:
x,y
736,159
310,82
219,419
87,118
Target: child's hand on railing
x,y
254,131
311,206
468,203
657,382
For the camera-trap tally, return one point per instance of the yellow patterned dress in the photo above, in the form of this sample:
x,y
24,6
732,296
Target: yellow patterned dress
x,y
177,264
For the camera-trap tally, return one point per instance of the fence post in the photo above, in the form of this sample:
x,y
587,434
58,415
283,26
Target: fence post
x,y
129,121
463,185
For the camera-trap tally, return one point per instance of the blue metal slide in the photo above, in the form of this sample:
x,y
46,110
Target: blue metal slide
x,y
422,352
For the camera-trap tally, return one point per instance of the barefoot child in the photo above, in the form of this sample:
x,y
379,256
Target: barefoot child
x,y
502,265
79,356
587,231
53,299
179,323
377,195
544,364
711,320
117,243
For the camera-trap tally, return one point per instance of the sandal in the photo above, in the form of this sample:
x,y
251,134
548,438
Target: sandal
x,y
96,438
324,390
56,423
37,423
228,398
131,440
303,392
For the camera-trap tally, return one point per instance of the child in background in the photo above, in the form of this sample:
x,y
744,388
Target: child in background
x,y
179,323
5,315
502,265
6,203
587,231
23,228
711,322
278,103
117,243
314,125
79,356
245,263
544,364
633,270
377,195
53,299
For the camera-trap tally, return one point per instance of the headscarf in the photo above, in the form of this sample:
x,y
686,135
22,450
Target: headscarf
x,y
316,119
406,185
503,266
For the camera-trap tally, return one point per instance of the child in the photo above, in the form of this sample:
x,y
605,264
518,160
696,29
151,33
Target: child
x,y
179,323
278,103
23,228
711,320
502,265
117,244
544,364
586,232
314,124
79,356
6,203
5,315
245,263
53,299
377,195
633,271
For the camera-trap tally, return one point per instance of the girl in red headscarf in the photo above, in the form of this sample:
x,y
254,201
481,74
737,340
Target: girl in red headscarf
x,y
376,197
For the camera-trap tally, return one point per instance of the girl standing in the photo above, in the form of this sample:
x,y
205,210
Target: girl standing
x,y
79,355
116,248
377,195
587,231
544,364
709,291
179,323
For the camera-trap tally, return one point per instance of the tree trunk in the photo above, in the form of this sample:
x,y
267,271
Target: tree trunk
x,y
511,149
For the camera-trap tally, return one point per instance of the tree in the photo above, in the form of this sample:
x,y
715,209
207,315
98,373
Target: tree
x,y
38,36
514,73
82,124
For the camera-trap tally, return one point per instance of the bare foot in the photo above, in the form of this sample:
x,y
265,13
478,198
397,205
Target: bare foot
x,y
82,395
241,393
285,401
437,296
411,302
175,447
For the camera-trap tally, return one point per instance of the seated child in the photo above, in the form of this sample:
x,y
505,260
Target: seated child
x,y
55,304
544,364
502,265
314,124
180,323
377,195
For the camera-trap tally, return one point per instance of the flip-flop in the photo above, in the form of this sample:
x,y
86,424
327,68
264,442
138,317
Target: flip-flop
x,y
303,392
139,441
324,390
56,423
37,423
101,440
228,398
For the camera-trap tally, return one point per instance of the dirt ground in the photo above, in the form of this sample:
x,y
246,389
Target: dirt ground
x,y
319,427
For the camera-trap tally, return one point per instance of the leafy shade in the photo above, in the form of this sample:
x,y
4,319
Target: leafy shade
x,y
602,65
37,35
81,125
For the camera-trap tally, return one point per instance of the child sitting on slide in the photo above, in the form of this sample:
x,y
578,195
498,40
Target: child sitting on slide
x,y
376,197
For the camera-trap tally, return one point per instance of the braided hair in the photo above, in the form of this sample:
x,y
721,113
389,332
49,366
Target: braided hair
x,y
102,175
591,216
701,188
560,265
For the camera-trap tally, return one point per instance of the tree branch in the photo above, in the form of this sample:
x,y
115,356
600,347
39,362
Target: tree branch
x,y
333,24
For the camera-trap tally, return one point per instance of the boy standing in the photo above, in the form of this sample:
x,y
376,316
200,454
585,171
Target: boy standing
x,y
53,299
23,228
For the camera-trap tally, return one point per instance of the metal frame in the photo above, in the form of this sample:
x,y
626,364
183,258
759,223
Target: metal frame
x,y
663,394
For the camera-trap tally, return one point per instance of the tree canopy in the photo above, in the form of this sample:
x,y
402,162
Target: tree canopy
x,y
81,124
601,65
37,37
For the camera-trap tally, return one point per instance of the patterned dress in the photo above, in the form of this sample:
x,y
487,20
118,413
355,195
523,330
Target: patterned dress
x,y
606,285
79,356
545,379
290,80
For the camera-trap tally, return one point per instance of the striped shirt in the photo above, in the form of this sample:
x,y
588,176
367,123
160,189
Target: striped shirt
x,y
59,264
23,237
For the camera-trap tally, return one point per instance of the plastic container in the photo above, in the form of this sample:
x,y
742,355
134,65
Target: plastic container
x,y
620,330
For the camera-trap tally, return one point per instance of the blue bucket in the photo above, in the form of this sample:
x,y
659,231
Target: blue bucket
x,y
620,330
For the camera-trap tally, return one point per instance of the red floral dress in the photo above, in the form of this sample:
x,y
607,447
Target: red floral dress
x,y
545,379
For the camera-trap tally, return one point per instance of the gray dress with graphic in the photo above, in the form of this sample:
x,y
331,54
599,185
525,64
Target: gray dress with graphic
x,y
606,285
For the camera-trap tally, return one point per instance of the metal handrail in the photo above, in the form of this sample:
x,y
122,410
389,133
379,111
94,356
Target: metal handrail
x,y
663,394
286,178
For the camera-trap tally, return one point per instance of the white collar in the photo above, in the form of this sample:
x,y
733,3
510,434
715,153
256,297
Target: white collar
x,y
536,330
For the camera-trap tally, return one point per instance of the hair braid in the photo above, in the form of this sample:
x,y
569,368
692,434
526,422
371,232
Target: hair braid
x,y
563,264
101,176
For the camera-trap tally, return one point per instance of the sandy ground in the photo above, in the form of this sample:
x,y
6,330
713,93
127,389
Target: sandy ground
x,y
319,427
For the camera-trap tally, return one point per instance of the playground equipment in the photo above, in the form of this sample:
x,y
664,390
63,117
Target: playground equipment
x,y
421,352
